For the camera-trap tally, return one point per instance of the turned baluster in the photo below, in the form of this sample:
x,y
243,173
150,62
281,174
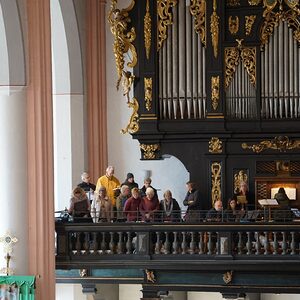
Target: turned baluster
x,y
193,244
184,245
257,243
120,243
175,243
129,243
86,244
167,244
275,243
210,244
293,244
95,242
78,242
201,243
103,244
111,243
157,244
266,243
283,243
249,244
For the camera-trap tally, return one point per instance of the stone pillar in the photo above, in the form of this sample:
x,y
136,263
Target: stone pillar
x,y
40,150
13,176
96,87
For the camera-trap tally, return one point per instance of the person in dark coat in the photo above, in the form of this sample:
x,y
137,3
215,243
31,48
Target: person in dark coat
x,y
129,181
169,208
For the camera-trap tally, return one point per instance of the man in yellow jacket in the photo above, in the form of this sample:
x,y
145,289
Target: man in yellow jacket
x,y
110,182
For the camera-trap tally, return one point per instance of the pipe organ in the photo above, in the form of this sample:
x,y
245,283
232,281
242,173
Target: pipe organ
x,y
215,83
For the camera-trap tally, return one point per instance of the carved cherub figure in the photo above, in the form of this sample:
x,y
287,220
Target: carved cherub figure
x,y
128,79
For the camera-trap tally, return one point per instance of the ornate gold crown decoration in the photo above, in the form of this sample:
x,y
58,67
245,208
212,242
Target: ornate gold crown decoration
x,y
123,37
233,24
254,2
198,11
214,29
133,125
249,21
147,30
149,150
232,56
215,145
280,143
215,91
148,92
289,13
216,182
164,19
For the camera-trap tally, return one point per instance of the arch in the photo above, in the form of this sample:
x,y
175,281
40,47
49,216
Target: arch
x,y
12,71
66,49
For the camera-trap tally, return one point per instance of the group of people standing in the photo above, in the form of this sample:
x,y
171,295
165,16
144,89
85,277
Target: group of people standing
x,y
109,200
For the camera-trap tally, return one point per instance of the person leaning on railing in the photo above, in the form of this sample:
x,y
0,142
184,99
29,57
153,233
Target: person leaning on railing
x,y
132,206
120,202
232,213
149,206
79,205
215,214
102,209
169,209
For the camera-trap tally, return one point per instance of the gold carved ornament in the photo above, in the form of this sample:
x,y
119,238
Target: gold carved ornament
x,y
272,18
215,91
239,177
280,143
148,92
249,21
214,29
215,145
254,2
233,24
248,55
123,37
216,182
198,11
133,125
147,30
164,19
231,62
149,151
150,277
227,277
233,3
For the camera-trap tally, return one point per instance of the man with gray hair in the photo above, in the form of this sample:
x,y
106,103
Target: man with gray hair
x,y
85,183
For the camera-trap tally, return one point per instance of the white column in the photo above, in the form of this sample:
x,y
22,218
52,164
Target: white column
x,y
70,292
130,291
13,175
69,146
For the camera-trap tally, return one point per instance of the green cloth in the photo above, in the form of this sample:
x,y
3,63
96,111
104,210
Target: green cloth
x,y
26,285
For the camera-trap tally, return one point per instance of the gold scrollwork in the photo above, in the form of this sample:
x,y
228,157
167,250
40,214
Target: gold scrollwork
x,y
123,37
254,2
147,30
280,143
164,19
83,273
233,3
231,62
148,92
215,91
249,21
149,150
227,277
248,55
216,181
239,177
133,125
215,145
214,29
198,11
272,19
233,24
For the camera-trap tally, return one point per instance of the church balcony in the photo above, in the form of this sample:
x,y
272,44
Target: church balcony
x,y
223,257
